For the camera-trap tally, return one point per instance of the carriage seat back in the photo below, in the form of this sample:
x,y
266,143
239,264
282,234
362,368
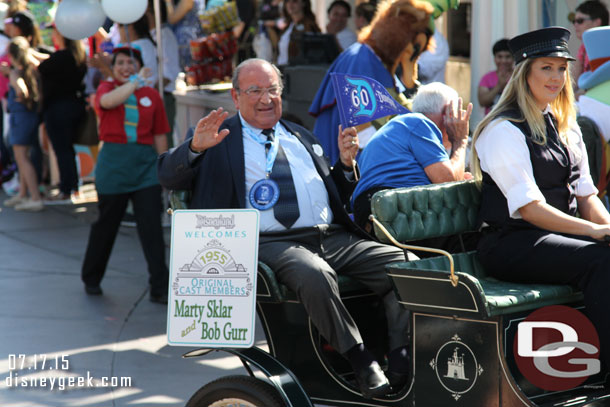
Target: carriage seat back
x,y
442,210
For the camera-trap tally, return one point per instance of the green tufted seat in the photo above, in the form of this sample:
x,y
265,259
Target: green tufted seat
x,y
430,211
442,210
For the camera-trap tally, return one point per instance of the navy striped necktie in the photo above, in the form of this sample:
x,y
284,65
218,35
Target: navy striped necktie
x,y
286,210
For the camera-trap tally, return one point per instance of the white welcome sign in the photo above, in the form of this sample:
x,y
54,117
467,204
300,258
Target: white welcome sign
x,y
213,264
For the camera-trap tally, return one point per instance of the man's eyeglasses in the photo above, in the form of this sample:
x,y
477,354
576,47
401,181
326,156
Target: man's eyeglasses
x,y
580,20
255,92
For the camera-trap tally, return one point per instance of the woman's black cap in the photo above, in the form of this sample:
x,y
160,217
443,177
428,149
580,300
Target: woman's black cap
x,y
24,20
546,42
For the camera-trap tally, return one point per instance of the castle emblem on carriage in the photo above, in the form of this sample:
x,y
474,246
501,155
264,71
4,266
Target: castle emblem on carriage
x,y
456,367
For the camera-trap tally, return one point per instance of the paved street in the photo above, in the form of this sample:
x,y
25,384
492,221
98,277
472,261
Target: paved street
x,y
45,314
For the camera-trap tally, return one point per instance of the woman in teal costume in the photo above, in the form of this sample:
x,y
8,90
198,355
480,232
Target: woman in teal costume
x,y
132,126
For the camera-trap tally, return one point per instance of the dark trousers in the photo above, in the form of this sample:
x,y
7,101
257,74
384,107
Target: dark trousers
x,y
61,118
537,256
362,208
147,210
308,260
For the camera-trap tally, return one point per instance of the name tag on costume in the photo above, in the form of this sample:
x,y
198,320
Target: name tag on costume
x,y
213,266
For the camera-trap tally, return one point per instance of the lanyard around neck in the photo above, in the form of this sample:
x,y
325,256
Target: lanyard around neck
x,y
271,152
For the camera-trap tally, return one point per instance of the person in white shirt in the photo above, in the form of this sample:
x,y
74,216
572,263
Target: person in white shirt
x,y
300,20
339,13
431,63
171,64
544,221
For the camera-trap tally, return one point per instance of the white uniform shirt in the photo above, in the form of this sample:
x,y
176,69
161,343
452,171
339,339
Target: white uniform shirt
x,y
345,38
504,155
432,64
171,59
282,46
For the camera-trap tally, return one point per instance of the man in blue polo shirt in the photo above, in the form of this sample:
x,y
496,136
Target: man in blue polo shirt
x,y
412,149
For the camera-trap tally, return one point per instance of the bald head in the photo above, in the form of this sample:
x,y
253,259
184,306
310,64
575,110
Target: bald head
x,y
252,63
257,93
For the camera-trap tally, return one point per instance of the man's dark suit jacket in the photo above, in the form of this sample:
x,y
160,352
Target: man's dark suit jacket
x,y
217,177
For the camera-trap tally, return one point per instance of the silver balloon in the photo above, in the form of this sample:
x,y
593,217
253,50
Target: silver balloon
x,y
124,11
77,19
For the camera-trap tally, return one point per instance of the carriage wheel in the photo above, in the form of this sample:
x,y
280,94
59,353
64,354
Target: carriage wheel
x,y
236,391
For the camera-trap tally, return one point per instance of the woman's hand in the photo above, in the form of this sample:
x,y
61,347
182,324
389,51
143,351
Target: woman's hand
x,y
206,133
547,217
599,232
143,77
348,145
145,73
119,95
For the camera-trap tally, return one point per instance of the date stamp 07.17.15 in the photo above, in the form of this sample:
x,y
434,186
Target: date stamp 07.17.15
x,y
53,372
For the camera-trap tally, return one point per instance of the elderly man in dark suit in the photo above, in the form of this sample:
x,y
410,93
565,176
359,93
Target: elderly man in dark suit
x,y
256,160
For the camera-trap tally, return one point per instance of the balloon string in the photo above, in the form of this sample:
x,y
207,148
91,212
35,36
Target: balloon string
x,y
128,42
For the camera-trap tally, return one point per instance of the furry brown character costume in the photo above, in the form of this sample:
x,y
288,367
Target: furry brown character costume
x,y
399,33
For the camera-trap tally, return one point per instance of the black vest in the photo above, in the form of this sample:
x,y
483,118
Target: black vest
x,y
555,173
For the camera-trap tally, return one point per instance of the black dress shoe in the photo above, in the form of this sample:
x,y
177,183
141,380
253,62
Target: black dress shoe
x,y
399,365
159,299
93,290
372,382
397,380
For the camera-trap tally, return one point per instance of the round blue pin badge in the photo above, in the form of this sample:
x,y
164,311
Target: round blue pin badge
x,y
264,194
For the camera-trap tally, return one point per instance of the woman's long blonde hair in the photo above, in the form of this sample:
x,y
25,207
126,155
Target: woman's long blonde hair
x,y
517,95
19,49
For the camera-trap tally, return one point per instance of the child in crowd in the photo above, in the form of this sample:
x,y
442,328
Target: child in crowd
x,y
23,97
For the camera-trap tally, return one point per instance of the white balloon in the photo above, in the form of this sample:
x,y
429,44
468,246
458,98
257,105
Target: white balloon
x,y
124,11
77,19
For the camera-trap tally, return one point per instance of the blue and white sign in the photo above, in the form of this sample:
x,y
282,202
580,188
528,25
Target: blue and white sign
x,y
361,99
213,265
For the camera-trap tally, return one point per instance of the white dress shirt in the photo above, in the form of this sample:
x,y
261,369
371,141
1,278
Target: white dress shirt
x,y
504,155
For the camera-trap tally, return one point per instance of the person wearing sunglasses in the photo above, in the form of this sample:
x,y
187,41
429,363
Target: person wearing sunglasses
x,y
589,14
